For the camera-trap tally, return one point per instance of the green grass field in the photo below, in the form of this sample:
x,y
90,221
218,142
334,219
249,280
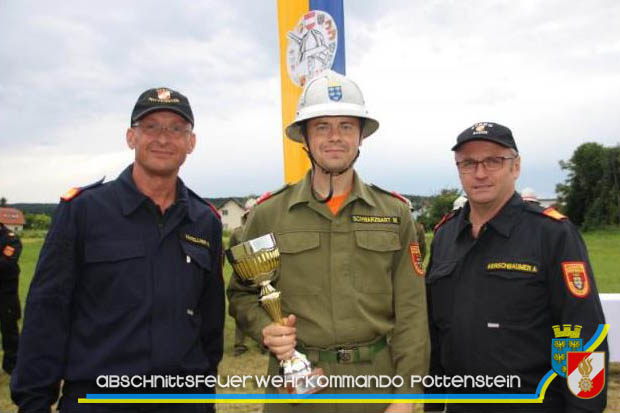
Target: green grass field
x,y
603,246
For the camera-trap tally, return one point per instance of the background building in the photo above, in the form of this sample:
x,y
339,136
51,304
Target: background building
x,y
12,218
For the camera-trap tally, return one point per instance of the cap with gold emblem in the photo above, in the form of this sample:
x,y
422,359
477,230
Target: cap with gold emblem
x,y
162,98
487,131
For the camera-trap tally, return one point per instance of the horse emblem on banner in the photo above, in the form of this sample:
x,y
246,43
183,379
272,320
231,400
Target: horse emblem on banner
x,y
311,46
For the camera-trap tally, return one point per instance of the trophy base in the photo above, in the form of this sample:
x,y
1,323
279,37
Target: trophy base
x,y
304,383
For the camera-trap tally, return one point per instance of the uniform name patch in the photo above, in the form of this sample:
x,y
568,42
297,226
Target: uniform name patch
x,y
576,278
196,240
512,266
369,219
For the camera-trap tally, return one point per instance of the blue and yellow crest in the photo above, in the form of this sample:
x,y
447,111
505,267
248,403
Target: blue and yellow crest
x,y
334,92
566,339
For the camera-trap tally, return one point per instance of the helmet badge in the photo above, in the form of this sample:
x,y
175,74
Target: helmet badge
x,y
334,92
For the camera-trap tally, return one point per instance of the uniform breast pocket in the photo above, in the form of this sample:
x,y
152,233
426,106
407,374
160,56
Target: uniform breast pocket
x,y
441,281
374,255
198,259
516,289
302,267
115,273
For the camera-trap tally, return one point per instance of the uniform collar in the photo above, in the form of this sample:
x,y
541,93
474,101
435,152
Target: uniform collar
x,y
303,192
503,222
131,198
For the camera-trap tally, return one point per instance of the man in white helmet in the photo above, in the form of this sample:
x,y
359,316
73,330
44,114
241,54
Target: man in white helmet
x,y
529,195
459,202
350,274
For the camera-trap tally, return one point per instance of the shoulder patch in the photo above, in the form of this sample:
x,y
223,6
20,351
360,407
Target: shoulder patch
x,y
416,258
555,214
576,278
75,191
392,193
8,251
445,219
269,194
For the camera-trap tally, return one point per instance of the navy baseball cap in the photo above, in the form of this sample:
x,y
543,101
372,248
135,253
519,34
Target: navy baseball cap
x,y
487,131
162,98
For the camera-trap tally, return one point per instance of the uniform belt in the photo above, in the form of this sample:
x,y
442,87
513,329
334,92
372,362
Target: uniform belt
x,y
345,354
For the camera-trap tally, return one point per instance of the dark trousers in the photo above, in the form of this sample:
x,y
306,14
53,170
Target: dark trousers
x,y
10,312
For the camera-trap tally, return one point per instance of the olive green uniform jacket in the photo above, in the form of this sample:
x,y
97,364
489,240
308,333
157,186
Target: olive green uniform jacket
x,y
349,280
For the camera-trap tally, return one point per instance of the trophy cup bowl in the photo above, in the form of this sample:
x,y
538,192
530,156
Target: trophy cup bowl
x,y
255,261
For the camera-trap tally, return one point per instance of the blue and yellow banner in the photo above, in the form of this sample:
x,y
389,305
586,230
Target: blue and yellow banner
x,y
311,36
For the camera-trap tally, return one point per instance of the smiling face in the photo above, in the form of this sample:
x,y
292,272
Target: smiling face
x,y
334,140
486,188
161,152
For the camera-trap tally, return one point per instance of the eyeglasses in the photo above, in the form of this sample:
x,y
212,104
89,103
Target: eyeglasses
x,y
176,130
492,163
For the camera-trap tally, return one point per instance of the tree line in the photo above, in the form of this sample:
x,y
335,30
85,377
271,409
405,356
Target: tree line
x,y
590,196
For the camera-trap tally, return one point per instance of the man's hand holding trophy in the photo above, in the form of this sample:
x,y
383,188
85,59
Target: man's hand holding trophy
x,y
255,262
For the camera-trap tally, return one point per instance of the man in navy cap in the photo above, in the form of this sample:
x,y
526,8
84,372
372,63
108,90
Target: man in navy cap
x,y
508,282
129,281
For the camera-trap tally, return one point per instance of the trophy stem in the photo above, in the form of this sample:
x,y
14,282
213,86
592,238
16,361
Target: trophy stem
x,y
270,300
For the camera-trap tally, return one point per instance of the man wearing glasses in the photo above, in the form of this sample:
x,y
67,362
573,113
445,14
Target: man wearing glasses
x,y
503,272
129,279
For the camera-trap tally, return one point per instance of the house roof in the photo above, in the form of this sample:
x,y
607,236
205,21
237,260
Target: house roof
x,y
220,202
12,216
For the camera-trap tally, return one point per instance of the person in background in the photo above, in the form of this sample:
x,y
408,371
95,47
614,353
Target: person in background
x,y
10,311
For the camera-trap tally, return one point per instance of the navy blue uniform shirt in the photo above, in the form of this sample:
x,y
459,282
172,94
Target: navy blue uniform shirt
x,y
493,301
121,290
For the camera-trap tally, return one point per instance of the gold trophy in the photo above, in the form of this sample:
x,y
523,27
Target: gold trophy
x,y
255,261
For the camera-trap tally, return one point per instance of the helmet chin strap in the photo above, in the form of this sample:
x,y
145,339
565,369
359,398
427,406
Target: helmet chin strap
x,y
326,171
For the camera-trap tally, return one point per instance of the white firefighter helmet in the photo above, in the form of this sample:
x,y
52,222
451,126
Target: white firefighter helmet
x,y
528,194
250,203
330,94
459,202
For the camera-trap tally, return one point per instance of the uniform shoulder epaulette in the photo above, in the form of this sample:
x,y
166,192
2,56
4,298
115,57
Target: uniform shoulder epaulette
x,y
554,214
75,191
209,204
548,212
445,219
269,194
214,209
392,193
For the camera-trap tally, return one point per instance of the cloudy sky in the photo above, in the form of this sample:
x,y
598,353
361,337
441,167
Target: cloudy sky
x,y
71,72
